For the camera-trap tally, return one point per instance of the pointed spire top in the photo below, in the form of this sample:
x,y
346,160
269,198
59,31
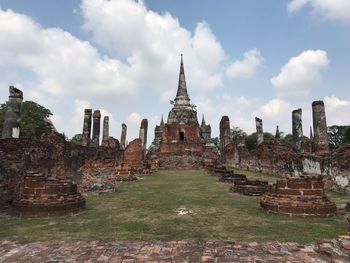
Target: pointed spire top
x,y
182,95
203,120
162,121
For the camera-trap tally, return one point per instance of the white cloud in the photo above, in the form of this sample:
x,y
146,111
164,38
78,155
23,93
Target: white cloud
x,y
336,10
337,110
62,63
301,73
151,44
275,107
247,67
238,109
275,112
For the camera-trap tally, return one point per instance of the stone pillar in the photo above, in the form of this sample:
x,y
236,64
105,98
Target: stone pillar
x,y
105,132
143,133
13,114
297,125
259,130
311,140
225,135
320,141
96,128
278,134
86,127
123,136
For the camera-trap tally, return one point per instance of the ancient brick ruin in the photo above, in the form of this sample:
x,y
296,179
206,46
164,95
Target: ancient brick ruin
x,y
86,127
259,130
13,114
320,137
304,196
297,127
183,144
47,197
179,143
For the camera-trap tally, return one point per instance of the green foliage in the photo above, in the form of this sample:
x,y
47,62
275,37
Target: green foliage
x,y
337,135
77,139
347,135
33,124
237,133
268,136
251,140
287,140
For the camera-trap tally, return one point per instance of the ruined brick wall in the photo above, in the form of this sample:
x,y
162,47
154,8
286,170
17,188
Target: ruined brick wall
x,y
171,133
174,161
237,155
339,169
13,163
274,158
133,154
171,142
51,156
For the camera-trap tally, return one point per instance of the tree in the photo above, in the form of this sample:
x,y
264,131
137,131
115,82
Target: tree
x,y
287,140
337,136
237,134
347,135
250,141
33,116
77,139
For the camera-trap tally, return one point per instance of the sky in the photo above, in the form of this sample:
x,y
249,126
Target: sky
x,y
242,58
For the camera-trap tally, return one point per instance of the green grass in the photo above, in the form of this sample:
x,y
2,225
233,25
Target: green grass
x,y
147,210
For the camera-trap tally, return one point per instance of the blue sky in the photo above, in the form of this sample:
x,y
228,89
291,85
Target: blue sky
x,y
242,59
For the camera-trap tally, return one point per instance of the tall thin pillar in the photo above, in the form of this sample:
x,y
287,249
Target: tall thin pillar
x,y
96,128
13,114
297,125
311,141
225,134
105,132
86,127
320,140
259,130
278,134
123,136
143,133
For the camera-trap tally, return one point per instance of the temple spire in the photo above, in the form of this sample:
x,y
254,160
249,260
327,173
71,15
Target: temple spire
x,y
203,120
182,95
162,121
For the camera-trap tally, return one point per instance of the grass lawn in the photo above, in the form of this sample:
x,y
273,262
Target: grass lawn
x,y
151,209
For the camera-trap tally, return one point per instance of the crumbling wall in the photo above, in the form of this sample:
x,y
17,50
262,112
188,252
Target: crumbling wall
x,y
339,169
51,156
274,158
237,155
133,154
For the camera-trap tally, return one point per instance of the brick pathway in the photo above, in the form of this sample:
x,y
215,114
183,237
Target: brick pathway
x,y
337,250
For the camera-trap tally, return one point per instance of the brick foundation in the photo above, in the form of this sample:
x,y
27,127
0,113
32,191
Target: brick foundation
x,y
47,197
298,196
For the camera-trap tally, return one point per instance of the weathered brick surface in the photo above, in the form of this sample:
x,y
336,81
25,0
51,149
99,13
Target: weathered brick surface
x,y
324,251
298,196
133,154
41,196
55,157
237,155
251,188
